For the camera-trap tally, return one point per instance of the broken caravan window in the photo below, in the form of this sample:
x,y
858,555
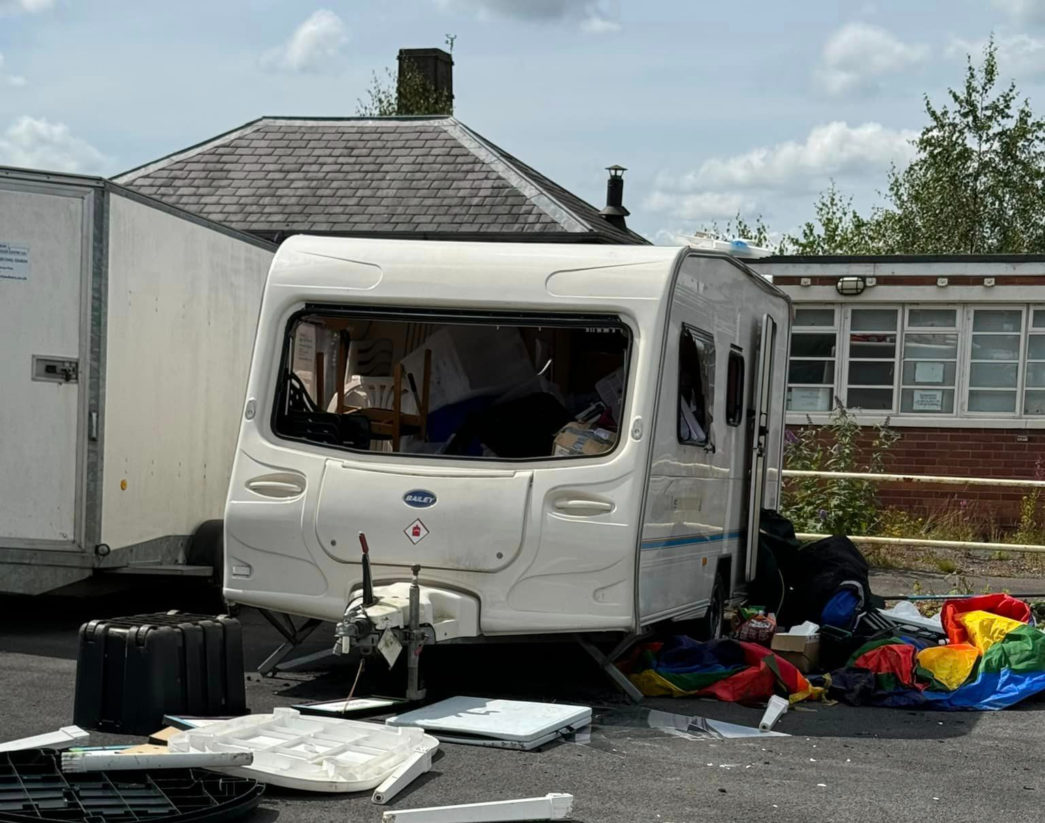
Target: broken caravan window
x,y
511,387
696,384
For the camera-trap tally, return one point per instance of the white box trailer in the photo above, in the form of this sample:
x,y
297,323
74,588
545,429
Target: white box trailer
x,y
607,479
126,327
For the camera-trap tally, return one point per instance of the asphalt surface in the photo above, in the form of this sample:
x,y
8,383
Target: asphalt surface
x,y
840,764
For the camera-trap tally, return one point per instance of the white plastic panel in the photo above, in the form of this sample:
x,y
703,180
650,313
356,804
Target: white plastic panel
x,y
510,720
474,524
42,286
183,304
320,754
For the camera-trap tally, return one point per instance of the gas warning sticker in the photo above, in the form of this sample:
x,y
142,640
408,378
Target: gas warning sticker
x,y
416,532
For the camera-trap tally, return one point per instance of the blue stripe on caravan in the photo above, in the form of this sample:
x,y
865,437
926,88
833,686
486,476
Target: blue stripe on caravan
x,y
688,540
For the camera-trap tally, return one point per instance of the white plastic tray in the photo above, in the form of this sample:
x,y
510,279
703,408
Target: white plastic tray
x,y
515,724
320,754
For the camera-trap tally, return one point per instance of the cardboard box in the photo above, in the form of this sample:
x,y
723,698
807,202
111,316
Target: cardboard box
x,y
469,361
800,650
583,438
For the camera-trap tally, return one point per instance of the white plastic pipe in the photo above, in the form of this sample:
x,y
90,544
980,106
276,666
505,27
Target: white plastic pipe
x,y
550,807
776,709
1029,548
920,478
115,762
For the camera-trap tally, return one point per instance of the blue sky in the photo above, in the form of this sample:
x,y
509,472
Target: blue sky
x,y
752,105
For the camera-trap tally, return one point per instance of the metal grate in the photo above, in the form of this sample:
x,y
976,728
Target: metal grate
x,y
33,788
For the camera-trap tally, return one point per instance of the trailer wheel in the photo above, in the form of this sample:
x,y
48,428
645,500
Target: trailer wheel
x,y
207,548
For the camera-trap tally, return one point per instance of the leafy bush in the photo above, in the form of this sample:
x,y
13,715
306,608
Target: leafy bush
x,y
834,505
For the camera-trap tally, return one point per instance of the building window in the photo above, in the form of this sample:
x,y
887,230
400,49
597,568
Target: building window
x,y
994,360
930,361
1034,394
735,389
696,382
871,367
811,369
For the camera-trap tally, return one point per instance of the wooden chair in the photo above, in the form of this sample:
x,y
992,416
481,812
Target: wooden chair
x,y
393,423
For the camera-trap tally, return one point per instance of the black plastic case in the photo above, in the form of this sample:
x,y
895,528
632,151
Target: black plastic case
x,y
130,671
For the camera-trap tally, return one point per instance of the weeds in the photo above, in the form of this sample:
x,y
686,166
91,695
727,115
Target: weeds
x,y
834,505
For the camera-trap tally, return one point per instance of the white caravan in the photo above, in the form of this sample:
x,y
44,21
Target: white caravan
x,y
126,326
563,438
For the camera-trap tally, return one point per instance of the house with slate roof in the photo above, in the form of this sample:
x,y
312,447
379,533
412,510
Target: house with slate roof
x,y
404,177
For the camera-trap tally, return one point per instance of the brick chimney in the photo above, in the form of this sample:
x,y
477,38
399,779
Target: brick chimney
x,y
433,65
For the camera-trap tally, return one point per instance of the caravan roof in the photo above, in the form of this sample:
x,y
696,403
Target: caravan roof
x,y
516,275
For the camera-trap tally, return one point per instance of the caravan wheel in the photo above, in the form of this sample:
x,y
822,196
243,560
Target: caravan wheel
x,y
712,622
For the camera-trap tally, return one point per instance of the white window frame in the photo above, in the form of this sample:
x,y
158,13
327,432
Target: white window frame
x,y
1021,362
834,328
842,384
960,370
1028,331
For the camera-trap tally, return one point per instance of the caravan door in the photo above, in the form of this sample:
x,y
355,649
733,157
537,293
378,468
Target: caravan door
x,y
762,404
44,271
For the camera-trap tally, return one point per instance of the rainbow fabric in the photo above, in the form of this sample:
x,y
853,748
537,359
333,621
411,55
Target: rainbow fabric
x,y
727,669
994,660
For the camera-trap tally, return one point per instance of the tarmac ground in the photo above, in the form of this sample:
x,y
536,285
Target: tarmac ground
x,y
839,763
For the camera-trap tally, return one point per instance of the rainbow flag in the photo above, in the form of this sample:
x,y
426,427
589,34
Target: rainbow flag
x,y
993,660
727,669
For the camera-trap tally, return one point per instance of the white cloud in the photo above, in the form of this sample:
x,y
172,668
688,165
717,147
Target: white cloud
x,y
9,79
859,55
700,206
39,144
1021,54
1023,11
595,16
312,45
31,6
829,150
749,182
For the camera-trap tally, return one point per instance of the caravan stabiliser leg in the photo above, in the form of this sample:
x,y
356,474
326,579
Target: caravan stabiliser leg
x,y
415,641
293,637
606,662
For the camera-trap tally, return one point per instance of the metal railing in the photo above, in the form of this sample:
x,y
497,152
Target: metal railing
x,y
1010,482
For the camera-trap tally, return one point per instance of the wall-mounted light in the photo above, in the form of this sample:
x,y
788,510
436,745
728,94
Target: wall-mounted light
x,y
872,281
988,281
850,286
806,281
941,281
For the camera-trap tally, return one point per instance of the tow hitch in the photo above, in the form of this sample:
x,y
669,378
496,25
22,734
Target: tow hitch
x,y
370,623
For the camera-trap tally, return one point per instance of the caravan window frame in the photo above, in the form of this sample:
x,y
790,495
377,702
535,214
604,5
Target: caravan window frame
x,y
706,374
610,322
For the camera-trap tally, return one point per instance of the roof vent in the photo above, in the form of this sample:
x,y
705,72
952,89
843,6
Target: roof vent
x,y
614,211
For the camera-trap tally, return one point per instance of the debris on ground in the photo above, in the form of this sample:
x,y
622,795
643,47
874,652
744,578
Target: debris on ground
x,y
554,806
508,724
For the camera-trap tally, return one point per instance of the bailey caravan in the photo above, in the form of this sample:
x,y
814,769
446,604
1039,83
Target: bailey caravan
x,y
445,441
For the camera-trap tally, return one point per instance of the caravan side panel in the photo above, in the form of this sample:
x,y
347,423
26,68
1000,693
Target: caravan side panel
x,y
183,303
695,515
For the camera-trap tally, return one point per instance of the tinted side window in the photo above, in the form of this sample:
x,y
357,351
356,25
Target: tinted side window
x,y
696,382
735,389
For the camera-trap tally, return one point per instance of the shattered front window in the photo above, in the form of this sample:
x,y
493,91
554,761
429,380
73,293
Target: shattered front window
x,y
457,387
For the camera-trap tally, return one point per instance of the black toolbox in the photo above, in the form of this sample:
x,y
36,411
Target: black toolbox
x,y
130,671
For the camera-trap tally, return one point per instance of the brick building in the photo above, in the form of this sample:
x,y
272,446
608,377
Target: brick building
x,y
950,350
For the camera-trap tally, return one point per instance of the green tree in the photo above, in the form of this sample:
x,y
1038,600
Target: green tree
x,y
756,233
975,186
405,93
